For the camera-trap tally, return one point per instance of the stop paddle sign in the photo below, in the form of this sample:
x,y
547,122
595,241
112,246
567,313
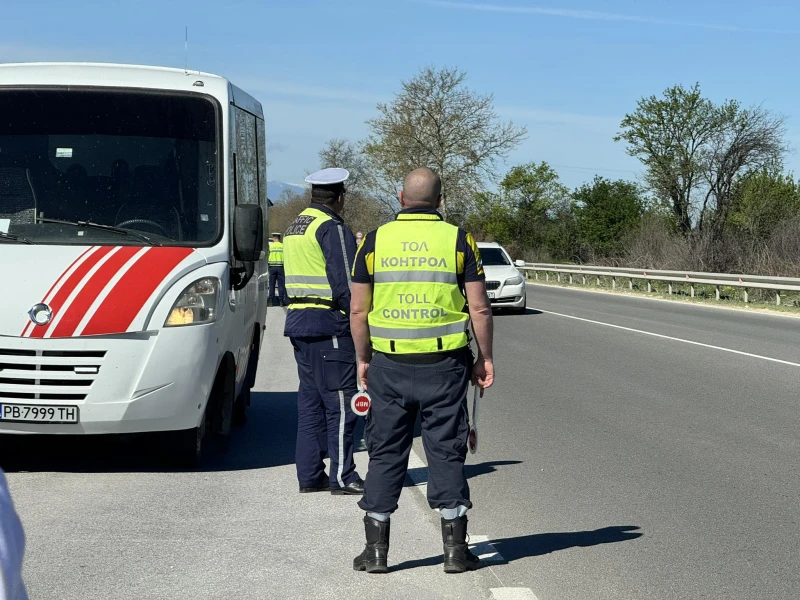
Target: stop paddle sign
x,y
360,403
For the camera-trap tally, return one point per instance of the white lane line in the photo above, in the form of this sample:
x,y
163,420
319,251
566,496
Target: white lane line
x,y
480,545
669,337
484,549
510,593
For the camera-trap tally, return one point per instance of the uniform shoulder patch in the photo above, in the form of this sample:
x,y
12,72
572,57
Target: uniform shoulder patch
x,y
299,225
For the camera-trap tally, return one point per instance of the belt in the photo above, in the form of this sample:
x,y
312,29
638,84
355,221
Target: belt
x,y
425,358
308,300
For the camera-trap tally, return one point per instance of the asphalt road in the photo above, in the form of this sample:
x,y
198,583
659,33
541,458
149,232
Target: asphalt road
x,y
614,463
647,467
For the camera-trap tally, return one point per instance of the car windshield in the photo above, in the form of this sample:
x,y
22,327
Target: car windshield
x,y
493,257
132,160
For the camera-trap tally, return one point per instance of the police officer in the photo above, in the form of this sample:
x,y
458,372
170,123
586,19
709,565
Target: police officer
x,y
318,252
411,281
276,272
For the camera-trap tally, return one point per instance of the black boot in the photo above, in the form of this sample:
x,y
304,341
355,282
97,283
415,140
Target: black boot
x,y
457,555
373,558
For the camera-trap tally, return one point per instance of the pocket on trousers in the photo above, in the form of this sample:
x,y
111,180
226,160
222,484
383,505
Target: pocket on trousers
x,y
339,369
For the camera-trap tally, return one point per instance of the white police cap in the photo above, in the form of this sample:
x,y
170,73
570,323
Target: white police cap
x,y
328,176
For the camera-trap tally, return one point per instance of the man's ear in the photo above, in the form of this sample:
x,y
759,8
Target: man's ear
x,y
438,201
400,197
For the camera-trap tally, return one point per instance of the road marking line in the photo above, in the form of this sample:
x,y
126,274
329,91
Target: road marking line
x,y
484,549
509,593
669,337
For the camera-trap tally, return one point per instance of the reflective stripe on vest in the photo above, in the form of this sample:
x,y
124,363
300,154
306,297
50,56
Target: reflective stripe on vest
x,y
275,254
417,303
304,263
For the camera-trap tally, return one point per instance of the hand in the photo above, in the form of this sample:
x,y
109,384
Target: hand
x,y
483,373
362,374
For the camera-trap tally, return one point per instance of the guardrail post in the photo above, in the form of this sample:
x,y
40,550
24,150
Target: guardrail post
x,y
547,276
745,296
778,297
649,286
558,277
630,285
570,277
536,274
598,281
613,283
583,279
716,290
670,288
692,290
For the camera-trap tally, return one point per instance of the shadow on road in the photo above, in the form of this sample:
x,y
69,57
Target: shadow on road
x,y
526,546
266,440
506,313
469,470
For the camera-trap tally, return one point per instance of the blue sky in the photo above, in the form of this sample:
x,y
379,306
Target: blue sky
x,y
569,71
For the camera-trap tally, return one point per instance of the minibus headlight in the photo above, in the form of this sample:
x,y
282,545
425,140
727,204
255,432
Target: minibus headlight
x,y
197,304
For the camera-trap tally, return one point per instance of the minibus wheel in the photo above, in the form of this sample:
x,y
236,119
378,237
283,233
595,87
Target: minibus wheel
x,y
187,446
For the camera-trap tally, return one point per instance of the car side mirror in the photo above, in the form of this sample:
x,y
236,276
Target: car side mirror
x,y
248,232
519,263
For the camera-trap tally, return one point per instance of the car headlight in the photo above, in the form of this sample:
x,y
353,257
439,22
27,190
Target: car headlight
x,y
196,305
514,280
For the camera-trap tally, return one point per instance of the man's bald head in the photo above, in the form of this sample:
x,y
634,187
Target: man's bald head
x,y
421,188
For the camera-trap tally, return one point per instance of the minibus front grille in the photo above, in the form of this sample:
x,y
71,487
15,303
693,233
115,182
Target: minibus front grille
x,y
48,374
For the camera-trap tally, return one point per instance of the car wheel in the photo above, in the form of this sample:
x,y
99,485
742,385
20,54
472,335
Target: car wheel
x,y
521,311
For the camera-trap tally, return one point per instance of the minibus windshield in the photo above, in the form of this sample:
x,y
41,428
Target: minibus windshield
x,y
135,160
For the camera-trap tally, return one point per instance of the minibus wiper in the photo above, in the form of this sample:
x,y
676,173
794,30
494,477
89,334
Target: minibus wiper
x,y
111,228
14,238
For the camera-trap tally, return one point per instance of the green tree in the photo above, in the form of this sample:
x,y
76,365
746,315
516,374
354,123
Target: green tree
x,y
762,201
694,150
436,121
607,212
537,196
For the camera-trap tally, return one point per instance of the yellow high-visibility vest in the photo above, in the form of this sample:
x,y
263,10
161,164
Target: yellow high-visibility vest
x,y
417,303
275,254
304,264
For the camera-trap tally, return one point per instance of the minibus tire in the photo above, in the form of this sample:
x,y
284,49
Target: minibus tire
x,y
186,449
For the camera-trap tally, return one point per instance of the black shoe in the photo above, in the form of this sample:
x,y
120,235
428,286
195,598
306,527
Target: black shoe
x,y
355,488
373,558
457,555
322,487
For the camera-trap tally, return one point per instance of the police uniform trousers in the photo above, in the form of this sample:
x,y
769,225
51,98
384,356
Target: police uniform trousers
x,y
277,277
327,370
399,390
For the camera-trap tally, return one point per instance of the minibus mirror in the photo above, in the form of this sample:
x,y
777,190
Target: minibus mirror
x,y
248,232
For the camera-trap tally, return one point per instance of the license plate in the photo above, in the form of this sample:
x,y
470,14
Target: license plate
x,y
28,413
491,295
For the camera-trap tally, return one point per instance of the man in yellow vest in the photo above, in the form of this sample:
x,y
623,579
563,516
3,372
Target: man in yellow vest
x,y
411,281
318,251
276,273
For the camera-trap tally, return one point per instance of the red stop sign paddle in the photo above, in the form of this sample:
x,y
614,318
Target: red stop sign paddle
x,y
361,403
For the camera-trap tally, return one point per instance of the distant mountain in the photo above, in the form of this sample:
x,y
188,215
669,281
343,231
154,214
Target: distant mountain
x,y
276,188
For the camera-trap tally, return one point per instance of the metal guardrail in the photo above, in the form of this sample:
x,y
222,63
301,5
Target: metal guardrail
x,y
692,278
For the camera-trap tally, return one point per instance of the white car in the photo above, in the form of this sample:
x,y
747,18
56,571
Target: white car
x,y
505,284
